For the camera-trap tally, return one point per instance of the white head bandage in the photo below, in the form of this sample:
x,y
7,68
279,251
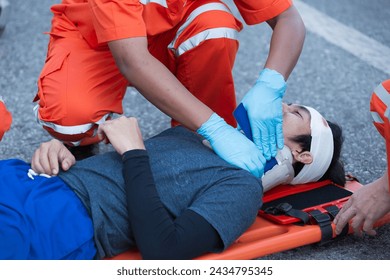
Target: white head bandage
x,y
321,150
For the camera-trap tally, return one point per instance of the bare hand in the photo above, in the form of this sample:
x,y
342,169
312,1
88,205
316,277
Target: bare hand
x,y
365,207
123,133
49,156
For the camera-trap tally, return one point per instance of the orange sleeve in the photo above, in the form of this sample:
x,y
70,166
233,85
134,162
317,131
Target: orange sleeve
x,y
376,105
257,11
117,19
5,119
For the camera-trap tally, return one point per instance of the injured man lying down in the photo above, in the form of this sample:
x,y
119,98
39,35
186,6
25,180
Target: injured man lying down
x,y
171,197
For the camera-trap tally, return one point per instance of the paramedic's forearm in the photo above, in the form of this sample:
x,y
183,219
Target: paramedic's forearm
x,y
287,42
157,83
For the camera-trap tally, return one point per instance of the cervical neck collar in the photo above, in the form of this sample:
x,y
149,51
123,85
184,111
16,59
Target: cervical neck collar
x,y
280,173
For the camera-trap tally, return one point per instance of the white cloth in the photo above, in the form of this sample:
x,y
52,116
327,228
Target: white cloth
x,y
321,150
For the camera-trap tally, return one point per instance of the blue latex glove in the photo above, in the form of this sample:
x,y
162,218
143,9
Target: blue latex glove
x,y
232,146
263,103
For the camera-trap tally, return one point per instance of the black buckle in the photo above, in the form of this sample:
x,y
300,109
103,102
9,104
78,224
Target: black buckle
x,y
333,210
321,218
279,209
285,208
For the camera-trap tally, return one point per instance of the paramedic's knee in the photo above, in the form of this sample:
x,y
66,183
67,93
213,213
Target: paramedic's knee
x,y
77,127
70,112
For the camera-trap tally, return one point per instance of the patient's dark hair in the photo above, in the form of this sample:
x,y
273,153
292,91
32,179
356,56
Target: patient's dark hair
x,y
335,172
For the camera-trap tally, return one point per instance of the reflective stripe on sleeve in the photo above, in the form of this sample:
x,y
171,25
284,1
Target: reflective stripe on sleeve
x,y
383,94
376,117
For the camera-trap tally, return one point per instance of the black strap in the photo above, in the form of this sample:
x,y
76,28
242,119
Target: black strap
x,y
324,220
333,210
325,223
286,209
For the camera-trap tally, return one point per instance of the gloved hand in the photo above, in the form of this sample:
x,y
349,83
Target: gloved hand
x,y
232,146
263,103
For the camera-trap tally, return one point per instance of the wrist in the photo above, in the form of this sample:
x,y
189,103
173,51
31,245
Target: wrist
x,y
131,154
131,148
209,128
274,80
268,73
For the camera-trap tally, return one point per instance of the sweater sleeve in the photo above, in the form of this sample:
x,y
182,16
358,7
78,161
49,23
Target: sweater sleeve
x,y
159,235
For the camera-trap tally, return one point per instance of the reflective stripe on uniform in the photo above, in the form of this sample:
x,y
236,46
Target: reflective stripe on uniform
x,y
193,15
384,96
160,2
220,32
376,117
71,129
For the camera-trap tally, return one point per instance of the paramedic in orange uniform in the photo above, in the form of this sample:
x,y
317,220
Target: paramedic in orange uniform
x,y
371,202
179,55
5,119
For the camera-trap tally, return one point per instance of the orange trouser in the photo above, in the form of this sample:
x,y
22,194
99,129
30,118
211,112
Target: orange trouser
x,y
5,119
380,111
80,87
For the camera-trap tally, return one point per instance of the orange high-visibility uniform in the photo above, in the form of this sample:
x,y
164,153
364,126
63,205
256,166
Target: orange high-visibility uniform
x,y
5,119
380,112
80,85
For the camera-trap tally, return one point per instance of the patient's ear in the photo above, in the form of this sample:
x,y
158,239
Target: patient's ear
x,y
304,157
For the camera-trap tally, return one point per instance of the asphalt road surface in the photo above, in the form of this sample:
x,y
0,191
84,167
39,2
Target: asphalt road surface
x,y
346,55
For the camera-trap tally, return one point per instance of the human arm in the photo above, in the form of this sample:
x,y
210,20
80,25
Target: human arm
x,y
157,233
50,156
365,207
264,100
157,83
162,88
286,42
120,24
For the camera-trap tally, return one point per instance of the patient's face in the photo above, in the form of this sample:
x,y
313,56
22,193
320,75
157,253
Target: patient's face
x,y
296,121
